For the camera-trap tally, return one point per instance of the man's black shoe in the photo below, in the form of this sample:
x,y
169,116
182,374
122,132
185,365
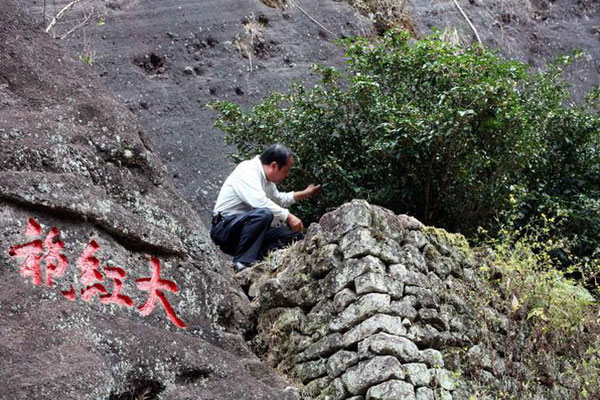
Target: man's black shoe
x,y
239,266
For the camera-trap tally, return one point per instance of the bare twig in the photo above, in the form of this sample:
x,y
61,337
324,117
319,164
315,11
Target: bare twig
x,y
86,19
468,20
250,47
61,13
250,56
311,18
89,53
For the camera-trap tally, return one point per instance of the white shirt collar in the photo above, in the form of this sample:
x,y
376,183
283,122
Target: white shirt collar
x,y
262,170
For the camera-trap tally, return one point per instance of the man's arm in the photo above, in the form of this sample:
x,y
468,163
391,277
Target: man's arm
x,y
294,222
288,198
284,199
311,190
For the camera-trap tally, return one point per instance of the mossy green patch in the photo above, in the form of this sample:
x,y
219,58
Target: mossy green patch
x,y
453,239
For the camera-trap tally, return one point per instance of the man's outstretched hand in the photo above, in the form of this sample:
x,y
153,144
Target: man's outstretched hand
x,y
311,190
294,223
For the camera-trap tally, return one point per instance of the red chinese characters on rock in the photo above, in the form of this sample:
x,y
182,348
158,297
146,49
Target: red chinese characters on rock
x,y
118,276
56,262
92,278
155,286
90,275
36,250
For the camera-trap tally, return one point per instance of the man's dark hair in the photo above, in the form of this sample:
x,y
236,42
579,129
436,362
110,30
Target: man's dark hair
x,y
276,152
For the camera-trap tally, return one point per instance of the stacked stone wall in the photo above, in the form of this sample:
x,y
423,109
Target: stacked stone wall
x,y
365,307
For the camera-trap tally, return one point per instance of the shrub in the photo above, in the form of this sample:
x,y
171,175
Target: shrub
x,y
446,134
553,323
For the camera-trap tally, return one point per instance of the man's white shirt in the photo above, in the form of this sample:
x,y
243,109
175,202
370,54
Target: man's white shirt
x,y
247,188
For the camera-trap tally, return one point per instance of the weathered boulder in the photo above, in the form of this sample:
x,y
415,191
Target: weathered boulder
x,y
109,285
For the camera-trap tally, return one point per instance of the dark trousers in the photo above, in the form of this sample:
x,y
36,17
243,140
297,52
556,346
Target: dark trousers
x,y
248,237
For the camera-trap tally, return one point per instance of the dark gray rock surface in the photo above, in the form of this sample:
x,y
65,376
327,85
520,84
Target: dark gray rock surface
x,y
165,59
77,171
532,31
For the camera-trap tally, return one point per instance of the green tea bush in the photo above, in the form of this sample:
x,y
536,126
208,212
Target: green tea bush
x,y
454,136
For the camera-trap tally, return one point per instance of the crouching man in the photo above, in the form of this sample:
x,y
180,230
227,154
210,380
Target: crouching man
x,y
250,217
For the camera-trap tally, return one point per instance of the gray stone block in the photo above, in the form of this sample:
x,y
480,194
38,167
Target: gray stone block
x,y
366,374
432,317
328,258
425,297
363,308
357,243
395,288
346,218
417,374
311,370
323,347
318,318
343,298
377,323
445,379
403,309
397,346
309,295
392,390
424,393
433,358
338,363
360,242
340,278
411,258
408,276
415,238
442,267
423,334
371,283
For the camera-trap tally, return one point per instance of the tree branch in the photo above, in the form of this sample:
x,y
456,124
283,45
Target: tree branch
x,y
86,19
61,13
312,19
468,20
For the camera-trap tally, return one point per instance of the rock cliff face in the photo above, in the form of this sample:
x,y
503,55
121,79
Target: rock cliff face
x,y
376,306
165,59
102,263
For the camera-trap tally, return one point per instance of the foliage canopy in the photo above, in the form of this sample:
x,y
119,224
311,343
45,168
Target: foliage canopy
x,y
454,136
